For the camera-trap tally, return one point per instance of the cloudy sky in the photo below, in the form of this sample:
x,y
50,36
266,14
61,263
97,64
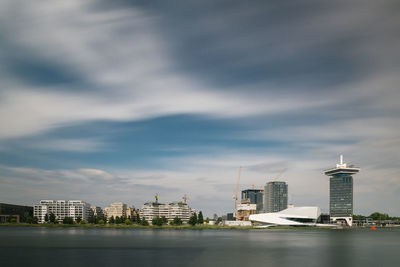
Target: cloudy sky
x,y
119,101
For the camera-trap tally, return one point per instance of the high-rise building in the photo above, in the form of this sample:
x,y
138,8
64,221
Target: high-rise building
x,y
275,196
61,209
341,191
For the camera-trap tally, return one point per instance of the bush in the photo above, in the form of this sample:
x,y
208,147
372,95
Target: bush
x,y
68,220
82,222
128,222
101,222
144,222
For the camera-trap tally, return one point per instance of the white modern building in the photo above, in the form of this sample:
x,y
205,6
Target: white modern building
x,y
61,209
293,216
151,210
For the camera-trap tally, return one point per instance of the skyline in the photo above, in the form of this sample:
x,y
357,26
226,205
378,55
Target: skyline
x,y
119,101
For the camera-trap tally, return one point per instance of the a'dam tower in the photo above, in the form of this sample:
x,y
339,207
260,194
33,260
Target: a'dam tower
x,y
341,192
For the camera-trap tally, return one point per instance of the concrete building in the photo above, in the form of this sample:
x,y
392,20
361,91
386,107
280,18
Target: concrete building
x,y
151,210
275,196
244,210
119,209
341,192
62,209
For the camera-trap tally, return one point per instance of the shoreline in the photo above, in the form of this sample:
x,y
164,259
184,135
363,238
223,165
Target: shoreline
x,y
181,227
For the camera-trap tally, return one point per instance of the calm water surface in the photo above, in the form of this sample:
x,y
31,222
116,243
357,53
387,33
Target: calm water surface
x,y
137,247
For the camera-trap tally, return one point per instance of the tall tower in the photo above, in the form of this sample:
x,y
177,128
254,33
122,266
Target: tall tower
x,y
275,196
341,191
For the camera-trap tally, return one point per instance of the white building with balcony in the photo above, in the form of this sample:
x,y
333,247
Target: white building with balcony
x,y
61,209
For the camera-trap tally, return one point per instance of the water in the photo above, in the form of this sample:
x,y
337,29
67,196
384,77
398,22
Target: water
x,y
137,247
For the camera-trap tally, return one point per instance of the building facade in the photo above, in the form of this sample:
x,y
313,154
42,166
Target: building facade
x,y
18,212
341,192
253,196
61,209
275,196
119,209
151,210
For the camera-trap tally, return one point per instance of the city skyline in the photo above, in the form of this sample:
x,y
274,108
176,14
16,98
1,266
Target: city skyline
x,y
109,102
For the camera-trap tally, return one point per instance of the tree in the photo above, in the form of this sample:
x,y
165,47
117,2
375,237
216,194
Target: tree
x,y
164,220
52,218
176,221
193,219
200,219
46,218
112,221
82,222
128,222
78,219
144,222
101,222
68,220
35,220
157,221
138,221
117,220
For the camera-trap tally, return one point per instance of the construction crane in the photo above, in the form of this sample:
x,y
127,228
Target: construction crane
x,y
156,197
235,196
280,174
185,198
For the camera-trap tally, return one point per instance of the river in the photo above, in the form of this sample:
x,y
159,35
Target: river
x,y
29,246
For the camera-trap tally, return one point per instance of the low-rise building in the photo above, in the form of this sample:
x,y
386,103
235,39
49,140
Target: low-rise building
x,y
119,209
18,212
151,210
61,209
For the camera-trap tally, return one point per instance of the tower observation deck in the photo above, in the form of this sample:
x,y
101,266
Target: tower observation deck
x,y
341,191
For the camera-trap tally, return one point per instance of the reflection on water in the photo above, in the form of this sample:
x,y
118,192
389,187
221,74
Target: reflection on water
x,y
142,247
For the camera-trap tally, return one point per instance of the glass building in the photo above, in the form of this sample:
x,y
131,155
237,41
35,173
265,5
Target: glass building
x,y
341,191
275,196
253,196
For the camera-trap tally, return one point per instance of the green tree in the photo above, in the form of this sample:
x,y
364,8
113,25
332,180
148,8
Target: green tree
x,y
78,219
128,222
138,221
112,220
200,219
46,218
82,222
52,218
13,220
157,221
144,222
68,220
164,220
117,220
193,219
101,222
176,221
35,220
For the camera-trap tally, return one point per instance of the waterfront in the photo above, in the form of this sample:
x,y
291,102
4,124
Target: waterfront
x,y
25,246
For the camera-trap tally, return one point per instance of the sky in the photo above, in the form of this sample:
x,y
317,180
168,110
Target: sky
x,y
110,101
